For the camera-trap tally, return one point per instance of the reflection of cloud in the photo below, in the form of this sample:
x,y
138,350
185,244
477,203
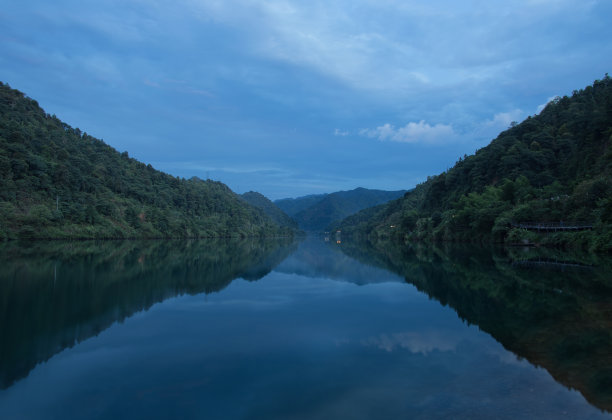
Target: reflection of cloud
x,y
497,351
415,342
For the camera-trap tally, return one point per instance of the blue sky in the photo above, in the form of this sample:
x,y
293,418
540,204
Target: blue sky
x,y
291,98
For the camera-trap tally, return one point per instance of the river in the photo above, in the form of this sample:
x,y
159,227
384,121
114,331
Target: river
x,y
264,329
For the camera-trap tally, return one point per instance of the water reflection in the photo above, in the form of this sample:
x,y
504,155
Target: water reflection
x,y
56,294
552,308
296,344
315,258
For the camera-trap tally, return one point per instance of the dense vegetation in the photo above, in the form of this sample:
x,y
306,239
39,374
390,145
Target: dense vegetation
x,y
293,206
556,315
54,294
58,182
260,201
552,167
318,212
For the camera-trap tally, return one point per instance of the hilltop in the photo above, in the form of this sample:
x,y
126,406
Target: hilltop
x,y
59,182
318,212
292,206
269,208
552,167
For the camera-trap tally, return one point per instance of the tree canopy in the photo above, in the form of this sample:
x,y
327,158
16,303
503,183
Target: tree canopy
x,y
59,182
555,166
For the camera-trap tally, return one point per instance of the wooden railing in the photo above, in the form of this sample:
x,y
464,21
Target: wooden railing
x,y
553,226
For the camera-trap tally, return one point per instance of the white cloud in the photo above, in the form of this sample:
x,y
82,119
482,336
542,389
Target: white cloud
x,y
100,66
202,167
502,120
542,106
336,40
412,132
391,47
489,129
341,133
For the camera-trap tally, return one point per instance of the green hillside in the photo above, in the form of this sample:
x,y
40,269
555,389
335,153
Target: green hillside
x,y
58,182
553,167
293,206
336,206
260,201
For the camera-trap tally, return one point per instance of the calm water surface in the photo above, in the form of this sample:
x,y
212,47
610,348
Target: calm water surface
x,y
275,329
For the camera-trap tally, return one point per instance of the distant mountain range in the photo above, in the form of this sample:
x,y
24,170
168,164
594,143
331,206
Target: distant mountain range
x,y
318,212
293,206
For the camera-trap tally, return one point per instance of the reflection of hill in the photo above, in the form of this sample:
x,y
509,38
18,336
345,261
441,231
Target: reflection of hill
x,y
315,258
53,295
561,321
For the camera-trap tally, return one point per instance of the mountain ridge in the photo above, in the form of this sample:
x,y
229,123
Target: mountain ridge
x,y
292,206
318,212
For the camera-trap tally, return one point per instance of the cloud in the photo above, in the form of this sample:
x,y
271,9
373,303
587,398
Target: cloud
x,y
390,47
248,169
488,129
212,78
358,46
150,83
542,106
503,119
412,132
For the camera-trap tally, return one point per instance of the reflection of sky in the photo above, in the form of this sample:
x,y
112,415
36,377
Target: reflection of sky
x,y
416,342
315,258
292,346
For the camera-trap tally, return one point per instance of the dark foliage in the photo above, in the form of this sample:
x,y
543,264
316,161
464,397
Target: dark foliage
x,y
319,212
59,182
556,314
54,294
555,166
293,206
260,201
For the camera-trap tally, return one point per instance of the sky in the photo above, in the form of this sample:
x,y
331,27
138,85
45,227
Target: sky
x,y
290,98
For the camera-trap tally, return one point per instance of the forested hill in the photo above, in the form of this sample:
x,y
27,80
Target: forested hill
x,y
58,182
323,210
292,206
554,167
276,214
